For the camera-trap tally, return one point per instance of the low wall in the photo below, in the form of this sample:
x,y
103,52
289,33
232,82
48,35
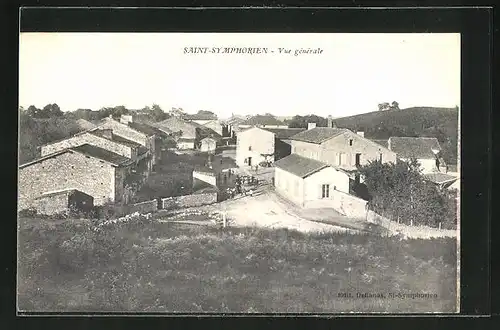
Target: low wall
x,y
144,207
346,204
189,200
409,231
209,178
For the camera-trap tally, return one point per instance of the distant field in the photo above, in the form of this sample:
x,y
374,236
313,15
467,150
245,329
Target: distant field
x,y
149,266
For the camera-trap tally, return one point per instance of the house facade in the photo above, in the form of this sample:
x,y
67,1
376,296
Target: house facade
x,y
253,146
92,170
186,133
208,144
341,148
308,182
426,150
217,127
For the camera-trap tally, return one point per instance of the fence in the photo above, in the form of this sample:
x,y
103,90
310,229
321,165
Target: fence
x,y
409,231
189,200
144,207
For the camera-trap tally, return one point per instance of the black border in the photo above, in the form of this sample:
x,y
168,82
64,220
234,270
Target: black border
x,y
475,25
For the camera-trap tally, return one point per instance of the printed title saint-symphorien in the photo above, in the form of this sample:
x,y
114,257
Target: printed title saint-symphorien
x,y
250,50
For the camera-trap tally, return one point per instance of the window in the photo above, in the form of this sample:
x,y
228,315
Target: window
x,y
325,191
339,159
381,157
350,142
358,159
250,148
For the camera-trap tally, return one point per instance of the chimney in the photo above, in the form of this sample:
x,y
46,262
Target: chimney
x,y
361,133
330,121
311,125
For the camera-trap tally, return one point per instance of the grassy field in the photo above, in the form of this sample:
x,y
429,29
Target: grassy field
x,y
146,266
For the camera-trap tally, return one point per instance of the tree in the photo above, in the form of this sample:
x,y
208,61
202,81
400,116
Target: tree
x,y
302,121
157,113
394,105
206,112
399,192
384,106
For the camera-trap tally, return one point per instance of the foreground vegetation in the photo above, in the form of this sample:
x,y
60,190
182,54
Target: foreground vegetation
x,y
143,265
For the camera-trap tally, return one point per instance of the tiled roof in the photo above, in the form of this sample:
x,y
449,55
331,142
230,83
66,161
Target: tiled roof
x,y
186,139
383,143
418,147
439,177
52,155
199,116
318,134
147,129
102,154
209,138
284,133
61,192
299,166
262,120
125,141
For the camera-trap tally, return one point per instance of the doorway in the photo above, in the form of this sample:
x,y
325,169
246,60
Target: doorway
x,y
358,159
249,161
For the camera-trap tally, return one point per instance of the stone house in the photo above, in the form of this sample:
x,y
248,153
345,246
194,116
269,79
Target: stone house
x,y
92,170
426,150
232,124
100,138
208,144
308,182
339,147
217,127
187,133
63,201
182,129
132,134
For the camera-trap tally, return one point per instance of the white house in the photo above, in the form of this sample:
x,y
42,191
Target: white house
x,y
308,182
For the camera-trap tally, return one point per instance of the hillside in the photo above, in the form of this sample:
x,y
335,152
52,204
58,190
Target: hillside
x,y
441,123
148,266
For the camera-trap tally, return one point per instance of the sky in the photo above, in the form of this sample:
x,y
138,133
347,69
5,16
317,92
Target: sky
x,y
352,74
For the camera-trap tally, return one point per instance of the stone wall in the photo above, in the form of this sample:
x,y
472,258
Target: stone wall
x,y
189,200
209,178
51,204
67,171
91,139
423,232
348,205
144,207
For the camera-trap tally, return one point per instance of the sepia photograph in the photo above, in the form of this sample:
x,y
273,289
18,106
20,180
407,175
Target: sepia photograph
x,y
246,173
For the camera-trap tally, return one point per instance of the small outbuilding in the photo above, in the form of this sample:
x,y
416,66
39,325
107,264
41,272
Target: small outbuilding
x,y
63,201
